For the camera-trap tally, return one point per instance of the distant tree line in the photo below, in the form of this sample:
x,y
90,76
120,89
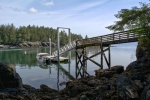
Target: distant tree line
x,y
9,34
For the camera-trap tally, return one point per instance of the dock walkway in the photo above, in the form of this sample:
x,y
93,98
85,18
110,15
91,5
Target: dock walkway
x,y
104,42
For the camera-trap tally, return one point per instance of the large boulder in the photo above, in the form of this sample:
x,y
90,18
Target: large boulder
x,y
135,72
140,69
104,73
76,87
142,63
8,76
142,51
145,95
132,66
118,69
143,55
127,89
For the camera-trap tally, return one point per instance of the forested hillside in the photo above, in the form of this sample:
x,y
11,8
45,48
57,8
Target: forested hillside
x,y
9,34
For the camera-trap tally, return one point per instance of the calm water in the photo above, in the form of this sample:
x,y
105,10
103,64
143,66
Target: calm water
x,y
35,73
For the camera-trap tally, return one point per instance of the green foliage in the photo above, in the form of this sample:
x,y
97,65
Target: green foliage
x,y
136,17
132,19
145,41
9,34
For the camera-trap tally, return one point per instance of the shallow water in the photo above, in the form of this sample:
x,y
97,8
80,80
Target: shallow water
x,y
35,73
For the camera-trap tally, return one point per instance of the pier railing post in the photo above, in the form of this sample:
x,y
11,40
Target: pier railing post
x,y
76,60
113,37
69,43
58,45
84,67
50,46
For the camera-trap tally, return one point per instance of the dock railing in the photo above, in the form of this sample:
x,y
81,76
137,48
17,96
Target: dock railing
x,y
65,48
119,37
114,38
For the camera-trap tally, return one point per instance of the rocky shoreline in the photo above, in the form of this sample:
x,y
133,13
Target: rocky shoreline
x,y
109,84
27,45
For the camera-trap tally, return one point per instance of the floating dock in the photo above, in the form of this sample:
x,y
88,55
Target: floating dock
x,y
55,59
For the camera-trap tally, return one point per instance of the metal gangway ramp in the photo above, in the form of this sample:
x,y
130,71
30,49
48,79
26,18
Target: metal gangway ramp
x,y
65,48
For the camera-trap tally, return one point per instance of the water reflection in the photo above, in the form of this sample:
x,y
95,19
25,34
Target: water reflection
x,y
64,73
55,75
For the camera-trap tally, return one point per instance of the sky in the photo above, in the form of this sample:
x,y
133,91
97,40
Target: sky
x,y
85,17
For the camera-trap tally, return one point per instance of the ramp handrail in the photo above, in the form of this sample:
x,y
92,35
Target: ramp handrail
x,y
65,48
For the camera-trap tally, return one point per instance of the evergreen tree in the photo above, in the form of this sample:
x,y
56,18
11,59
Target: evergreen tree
x,y
9,34
134,18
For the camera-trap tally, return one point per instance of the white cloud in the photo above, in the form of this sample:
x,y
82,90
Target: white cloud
x,y
50,3
33,10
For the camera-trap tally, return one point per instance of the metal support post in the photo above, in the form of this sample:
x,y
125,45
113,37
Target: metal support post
x,y
69,43
109,57
50,46
58,45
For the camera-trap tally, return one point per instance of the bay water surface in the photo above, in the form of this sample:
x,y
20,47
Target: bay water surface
x,y
34,73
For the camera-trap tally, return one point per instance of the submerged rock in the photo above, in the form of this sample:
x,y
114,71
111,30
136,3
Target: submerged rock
x,y
108,73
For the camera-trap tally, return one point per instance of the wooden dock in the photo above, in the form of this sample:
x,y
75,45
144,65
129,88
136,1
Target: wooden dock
x,y
104,42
